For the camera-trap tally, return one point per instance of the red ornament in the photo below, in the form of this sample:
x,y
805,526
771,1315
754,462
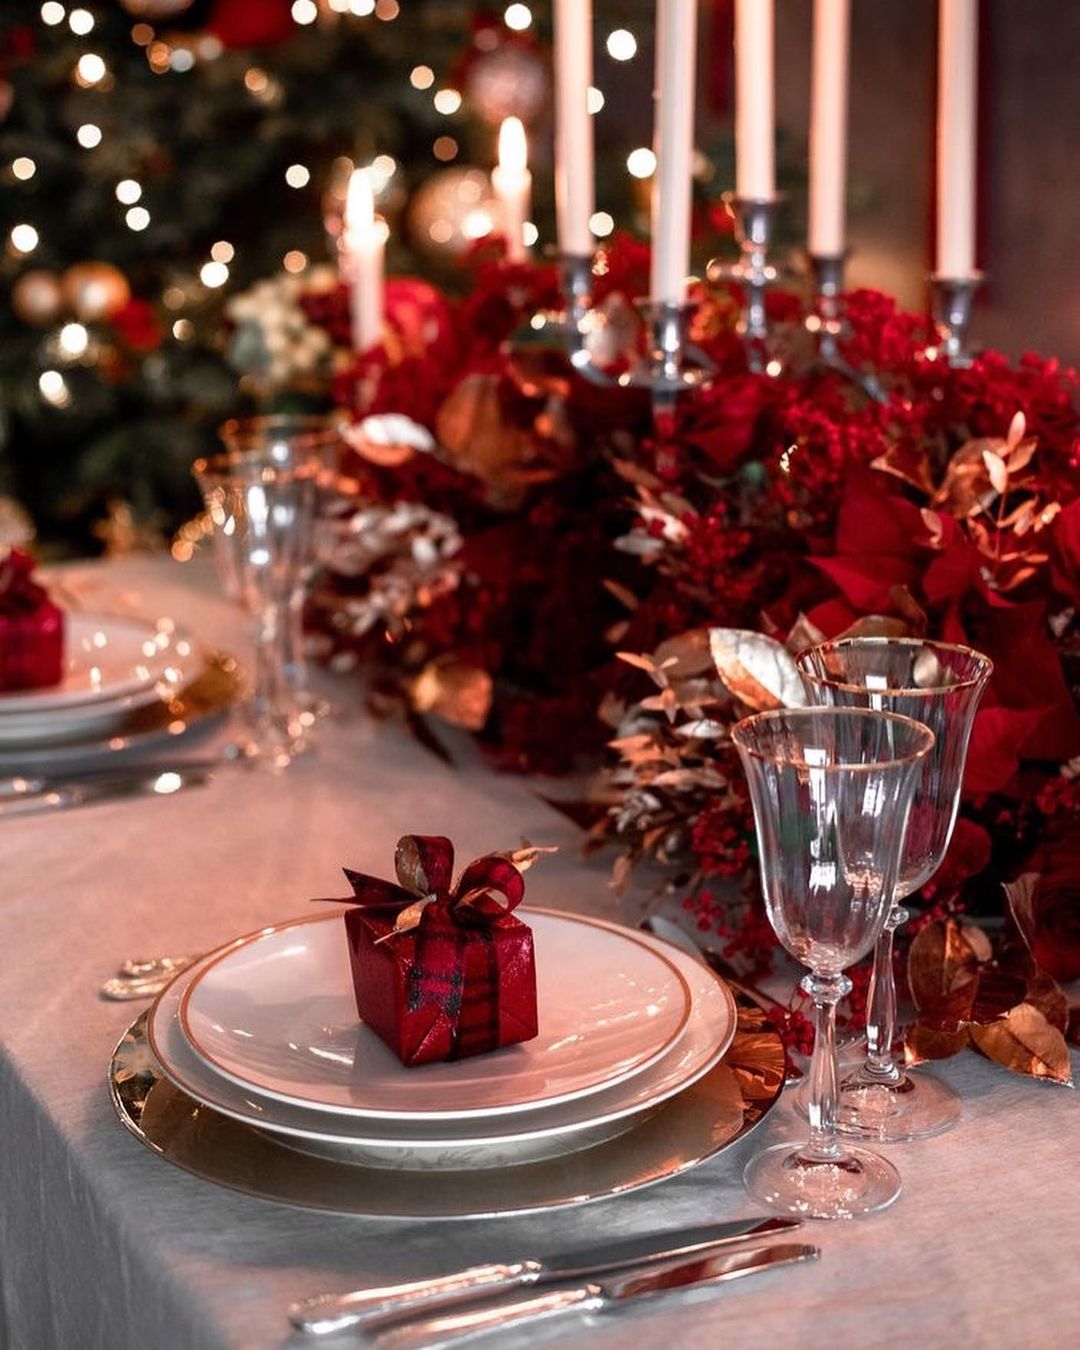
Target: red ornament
x,y
137,326
252,23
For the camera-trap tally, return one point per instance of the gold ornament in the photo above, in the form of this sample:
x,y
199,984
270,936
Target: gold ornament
x,y
450,210
511,81
95,290
37,296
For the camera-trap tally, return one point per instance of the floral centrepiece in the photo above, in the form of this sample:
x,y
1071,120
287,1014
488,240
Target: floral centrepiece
x,y
441,968
770,512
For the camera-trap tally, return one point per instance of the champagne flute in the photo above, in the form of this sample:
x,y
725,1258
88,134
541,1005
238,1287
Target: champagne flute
x,y
938,684
830,789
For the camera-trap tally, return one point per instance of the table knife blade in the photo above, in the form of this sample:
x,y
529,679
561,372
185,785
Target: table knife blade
x,y
613,1292
64,794
323,1314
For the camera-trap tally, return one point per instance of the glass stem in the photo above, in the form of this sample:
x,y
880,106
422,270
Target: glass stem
x,y
826,991
273,709
881,1005
293,658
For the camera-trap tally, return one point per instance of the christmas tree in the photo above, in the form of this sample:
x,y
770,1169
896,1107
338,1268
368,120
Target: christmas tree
x,y
160,156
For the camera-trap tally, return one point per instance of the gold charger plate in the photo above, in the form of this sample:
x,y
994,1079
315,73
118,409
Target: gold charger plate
x,y
722,1107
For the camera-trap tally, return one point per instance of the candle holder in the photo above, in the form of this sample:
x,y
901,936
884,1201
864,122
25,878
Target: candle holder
x,y
953,297
568,329
671,365
754,219
827,322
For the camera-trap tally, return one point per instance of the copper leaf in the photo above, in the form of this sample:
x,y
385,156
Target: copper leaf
x,y
923,1042
1044,993
943,969
758,670
1025,1042
1021,897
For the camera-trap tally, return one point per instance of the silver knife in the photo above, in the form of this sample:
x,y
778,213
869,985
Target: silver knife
x,y
327,1313
63,794
667,1283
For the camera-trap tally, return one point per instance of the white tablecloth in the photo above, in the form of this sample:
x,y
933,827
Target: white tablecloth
x,y
104,1245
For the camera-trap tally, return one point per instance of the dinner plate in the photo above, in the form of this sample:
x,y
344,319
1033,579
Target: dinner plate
x,y
106,657
275,1011
193,709
546,1131
714,1115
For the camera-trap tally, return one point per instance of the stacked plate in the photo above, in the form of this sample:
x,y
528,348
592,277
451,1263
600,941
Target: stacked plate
x,y
265,1031
116,672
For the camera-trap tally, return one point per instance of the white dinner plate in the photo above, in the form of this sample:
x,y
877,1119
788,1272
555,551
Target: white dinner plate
x,y
546,1132
275,1011
105,658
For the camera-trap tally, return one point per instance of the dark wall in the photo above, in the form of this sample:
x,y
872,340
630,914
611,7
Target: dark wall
x,y
1030,207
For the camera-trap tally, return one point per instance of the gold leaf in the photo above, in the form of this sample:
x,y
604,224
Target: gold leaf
x,y
803,634
924,1042
1024,1041
1044,993
877,625
943,971
999,474
758,670
1021,897
1015,433
389,439
528,854
457,693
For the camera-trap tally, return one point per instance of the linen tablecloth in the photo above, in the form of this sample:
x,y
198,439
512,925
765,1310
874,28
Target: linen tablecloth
x,y
104,1245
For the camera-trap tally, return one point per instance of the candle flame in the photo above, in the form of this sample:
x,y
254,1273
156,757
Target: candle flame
x,y
360,204
513,150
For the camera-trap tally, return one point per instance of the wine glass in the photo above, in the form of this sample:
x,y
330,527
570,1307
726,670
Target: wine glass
x,y
831,789
262,496
938,684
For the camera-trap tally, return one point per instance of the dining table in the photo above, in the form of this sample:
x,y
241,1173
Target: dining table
x,y
104,1244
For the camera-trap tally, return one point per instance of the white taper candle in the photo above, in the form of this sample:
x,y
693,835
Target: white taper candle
x,y
574,171
363,245
672,192
958,37
828,128
513,186
754,116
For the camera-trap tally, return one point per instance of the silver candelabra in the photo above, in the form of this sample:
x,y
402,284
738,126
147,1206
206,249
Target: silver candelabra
x,y
953,297
755,220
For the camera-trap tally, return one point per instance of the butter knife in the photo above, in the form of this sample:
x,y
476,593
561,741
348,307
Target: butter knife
x,y
613,1292
63,794
324,1314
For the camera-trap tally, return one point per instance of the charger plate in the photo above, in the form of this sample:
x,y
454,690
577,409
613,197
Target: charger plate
x,y
713,1115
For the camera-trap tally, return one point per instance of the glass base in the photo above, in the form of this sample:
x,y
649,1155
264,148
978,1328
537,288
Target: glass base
x,y
916,1106
856,1182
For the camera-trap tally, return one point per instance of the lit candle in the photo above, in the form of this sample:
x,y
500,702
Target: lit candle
x,y
512,182
672,193
574,201
957,69
754,172
363,244
828,128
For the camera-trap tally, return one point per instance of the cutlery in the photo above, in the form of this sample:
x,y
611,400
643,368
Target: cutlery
x,y
125,988
154,967
67,793
326,1313
608,1295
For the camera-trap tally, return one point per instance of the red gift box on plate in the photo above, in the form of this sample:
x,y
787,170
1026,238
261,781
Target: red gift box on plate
x,y
442,970
31,627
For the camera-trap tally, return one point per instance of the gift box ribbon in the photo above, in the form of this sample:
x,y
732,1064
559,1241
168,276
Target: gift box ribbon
x,y
19,595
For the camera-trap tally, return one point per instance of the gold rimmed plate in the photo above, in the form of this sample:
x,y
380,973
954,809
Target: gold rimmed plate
x,y
712,1115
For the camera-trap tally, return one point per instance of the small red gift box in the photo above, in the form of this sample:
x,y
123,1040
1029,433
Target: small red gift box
x,y
442,971
31,627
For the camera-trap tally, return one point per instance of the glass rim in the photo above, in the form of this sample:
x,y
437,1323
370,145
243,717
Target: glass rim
x,y
896,691
305,422
925,737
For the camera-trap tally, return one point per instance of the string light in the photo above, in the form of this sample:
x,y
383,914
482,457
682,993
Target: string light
x,y
383,168
142,34
594,99
255,80
137,218
601,224
222,251
88,135
295,260
529,233
128,191
24,238
52,13
621,45
447,101
53,389
298,175
641,162
173,298
213,274
445,148
517,17
421,77
23,168
183,330
91,69
81,22
74,339
476,224
305,11
387,10
181,59
361,8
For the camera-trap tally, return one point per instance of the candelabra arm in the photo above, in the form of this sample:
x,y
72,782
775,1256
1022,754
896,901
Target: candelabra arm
x,y
755,219
953,299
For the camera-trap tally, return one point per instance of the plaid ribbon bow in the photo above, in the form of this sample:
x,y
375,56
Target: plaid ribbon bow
x,y
18,593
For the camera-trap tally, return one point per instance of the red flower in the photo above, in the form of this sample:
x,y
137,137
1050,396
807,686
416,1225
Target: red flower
x,y
1055,908
722,426
1065,555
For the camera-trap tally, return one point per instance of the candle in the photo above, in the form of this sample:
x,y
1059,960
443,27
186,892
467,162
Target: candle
x,y
957,68
672,189
754,172
363,243
513,183
828,128
574,201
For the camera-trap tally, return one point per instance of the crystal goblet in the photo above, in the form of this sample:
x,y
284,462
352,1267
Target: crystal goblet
x,y
938,684
830,789
262,496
